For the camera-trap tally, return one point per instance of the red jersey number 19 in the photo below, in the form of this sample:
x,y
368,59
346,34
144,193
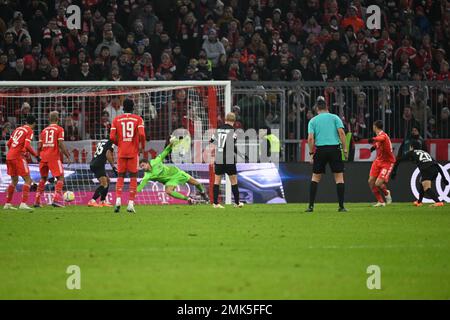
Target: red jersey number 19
x,y
127,130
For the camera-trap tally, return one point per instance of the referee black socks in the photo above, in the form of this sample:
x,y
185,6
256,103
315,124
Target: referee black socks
x,y
312,193
340,188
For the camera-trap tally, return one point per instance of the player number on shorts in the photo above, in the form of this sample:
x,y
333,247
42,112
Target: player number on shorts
x,y
127,129
16,137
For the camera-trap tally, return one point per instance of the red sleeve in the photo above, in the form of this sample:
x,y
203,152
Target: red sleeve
x,y
379,138
112,135
28,146
9,143
141,131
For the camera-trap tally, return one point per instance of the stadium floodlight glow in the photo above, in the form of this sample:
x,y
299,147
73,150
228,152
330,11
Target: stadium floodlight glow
x,y
87,108
444,195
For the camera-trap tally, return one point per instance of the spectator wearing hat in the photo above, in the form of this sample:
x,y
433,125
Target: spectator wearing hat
x,y
278,23
353,20
165,67
213,47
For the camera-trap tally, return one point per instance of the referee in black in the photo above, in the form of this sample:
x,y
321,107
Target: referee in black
x,y
326,140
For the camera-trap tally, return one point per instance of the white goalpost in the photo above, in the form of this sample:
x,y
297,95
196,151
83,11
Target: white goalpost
x,y
86,111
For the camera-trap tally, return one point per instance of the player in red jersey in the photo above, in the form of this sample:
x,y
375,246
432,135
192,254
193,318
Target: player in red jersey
x,y
51,145
17,166
127,132
382,166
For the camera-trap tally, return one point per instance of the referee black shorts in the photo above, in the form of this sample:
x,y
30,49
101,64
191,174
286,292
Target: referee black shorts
x,y
229,169
98,171
331,155
429,173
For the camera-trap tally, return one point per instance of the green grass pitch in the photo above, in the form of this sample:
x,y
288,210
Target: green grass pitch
x,y
257,252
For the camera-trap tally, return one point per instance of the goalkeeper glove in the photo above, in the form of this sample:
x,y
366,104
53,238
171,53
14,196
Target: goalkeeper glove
x,y
372,149
173,139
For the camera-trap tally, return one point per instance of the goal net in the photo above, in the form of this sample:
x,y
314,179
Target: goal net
x,y
86,112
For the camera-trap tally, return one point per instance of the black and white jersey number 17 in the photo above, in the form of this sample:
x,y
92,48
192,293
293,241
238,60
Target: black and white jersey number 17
x,y
221,139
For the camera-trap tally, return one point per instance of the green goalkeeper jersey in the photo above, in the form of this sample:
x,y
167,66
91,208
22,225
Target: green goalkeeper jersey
x,y
169,175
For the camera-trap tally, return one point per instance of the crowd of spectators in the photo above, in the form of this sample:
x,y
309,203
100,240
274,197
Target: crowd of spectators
x,y
213,39
245,40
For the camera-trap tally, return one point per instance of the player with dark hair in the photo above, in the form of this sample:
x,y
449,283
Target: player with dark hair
x,y
225,161
127,132
382,167
170,176
16,164
51,145
429,170
103,153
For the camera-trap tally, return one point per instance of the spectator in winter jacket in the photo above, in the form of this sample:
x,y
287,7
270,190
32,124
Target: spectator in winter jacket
x,y
213,47
108,41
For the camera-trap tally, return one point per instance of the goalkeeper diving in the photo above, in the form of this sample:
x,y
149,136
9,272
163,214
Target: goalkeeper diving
x,y
170,176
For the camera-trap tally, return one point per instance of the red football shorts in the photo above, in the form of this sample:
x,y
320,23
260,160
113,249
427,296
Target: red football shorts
x,y
130,165
17,167
381,170
55,167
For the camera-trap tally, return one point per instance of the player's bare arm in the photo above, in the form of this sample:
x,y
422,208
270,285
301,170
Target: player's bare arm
x,y
110,158
311,143
63,149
